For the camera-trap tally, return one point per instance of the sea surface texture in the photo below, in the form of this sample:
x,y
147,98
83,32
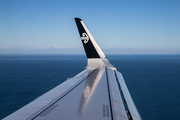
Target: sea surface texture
x,y
153,80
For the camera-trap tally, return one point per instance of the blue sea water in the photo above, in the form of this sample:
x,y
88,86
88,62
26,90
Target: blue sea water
x,y
153,80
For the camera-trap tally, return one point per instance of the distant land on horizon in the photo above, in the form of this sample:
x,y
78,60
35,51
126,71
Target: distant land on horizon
x,y
81,51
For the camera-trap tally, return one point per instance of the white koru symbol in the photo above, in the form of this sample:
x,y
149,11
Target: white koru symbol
x,y
85,37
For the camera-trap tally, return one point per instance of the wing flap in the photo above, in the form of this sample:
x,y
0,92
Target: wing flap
x,y
127,97
117,103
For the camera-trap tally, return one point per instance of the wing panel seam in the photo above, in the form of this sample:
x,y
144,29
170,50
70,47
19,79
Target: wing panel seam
x,y
123,98
110,103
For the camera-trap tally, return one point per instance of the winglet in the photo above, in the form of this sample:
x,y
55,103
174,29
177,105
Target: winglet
x,y
94,53
91,48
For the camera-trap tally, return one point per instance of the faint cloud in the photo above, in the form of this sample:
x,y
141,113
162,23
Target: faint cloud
x,y
54,47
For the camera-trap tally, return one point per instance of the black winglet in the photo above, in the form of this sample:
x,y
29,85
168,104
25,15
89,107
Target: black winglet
x,y
86,37
78,19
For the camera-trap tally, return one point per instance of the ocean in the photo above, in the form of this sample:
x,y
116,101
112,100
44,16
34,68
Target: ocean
x,y
153,80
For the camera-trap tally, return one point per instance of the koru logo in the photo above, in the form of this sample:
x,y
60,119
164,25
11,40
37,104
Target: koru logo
x,y
85,37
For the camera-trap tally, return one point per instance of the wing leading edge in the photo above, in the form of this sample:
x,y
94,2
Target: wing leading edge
x,y
99,92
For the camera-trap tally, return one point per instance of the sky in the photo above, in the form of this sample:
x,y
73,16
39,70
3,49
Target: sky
x,y
118,26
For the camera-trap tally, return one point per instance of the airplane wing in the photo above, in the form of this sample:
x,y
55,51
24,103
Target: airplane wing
x,y
99,92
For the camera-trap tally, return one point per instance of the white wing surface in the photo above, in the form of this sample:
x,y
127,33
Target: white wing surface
x,y
99,92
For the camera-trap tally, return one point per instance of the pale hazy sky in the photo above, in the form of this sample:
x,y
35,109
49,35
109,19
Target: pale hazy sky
x,y
118,26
